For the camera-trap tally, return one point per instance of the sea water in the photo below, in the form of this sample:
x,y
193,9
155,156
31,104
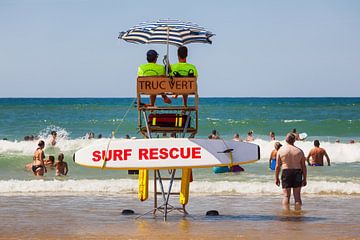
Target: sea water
x,y
326,119
87,203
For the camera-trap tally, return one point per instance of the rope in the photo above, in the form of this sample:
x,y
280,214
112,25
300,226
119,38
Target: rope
x,y
115,131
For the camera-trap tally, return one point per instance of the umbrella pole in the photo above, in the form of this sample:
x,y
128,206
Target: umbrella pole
x,y
167,54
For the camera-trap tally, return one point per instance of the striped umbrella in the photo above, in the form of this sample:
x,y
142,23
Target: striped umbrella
x,y
173,32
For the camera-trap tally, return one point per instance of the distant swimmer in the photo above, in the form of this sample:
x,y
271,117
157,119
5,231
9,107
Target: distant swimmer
x,y
272,160
317,155
272,136
292,160
61,166
297,136
53,138
237,137
38,166
250,136
214,135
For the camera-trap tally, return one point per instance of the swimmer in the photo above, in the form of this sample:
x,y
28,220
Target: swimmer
x,y
53,138
61,166
237,137
272,136
250,136
214,135
292,160
50,161
272,159
317,155
38,166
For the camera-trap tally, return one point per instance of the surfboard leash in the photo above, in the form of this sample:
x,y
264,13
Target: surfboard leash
x,y
115,131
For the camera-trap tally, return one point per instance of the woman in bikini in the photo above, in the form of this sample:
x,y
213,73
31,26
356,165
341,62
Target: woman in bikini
x,y
38,166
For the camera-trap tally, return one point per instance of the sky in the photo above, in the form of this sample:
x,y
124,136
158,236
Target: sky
x,y
277,48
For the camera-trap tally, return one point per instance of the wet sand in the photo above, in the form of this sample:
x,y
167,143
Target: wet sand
x,y
241,217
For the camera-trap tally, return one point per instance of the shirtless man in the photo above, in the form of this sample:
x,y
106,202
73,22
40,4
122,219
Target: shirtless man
x,y
38,166
317,155
292,160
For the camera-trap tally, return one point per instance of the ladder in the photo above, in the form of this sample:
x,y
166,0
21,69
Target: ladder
x,y
184,125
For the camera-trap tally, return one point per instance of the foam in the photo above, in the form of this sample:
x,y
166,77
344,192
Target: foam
x,y
124,186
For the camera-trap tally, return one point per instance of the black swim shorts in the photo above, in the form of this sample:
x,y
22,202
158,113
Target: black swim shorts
x,y
291,178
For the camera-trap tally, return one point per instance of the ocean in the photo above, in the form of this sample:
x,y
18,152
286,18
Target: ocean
x,y
325,119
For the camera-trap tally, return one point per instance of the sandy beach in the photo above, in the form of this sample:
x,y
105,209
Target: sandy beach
x,y
241,217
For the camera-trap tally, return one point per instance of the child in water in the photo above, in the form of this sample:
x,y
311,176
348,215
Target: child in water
x,y
61,166
272,160
50,161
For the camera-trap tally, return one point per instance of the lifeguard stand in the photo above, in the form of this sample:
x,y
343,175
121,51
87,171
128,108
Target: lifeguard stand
x,y
167,120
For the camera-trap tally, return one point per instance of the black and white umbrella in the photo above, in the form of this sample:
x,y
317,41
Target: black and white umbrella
x,y
174,32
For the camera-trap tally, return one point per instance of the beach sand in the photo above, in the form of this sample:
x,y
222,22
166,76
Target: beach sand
x,y
241,217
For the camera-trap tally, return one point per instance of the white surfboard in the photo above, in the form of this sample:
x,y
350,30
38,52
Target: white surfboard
x,y
303,136
166,153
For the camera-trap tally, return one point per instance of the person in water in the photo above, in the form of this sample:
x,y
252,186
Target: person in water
x,y
53,138
237,137
38,166
153,69
297,136
61,167
50,161
272,160
250,137
272,136
214,135
317,155
183,69
291,160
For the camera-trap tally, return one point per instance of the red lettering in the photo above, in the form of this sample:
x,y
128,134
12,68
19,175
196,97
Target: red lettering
x,y
154,153
172,155
117,154
143,154
196,152
182,153
96,156
127,153
163,153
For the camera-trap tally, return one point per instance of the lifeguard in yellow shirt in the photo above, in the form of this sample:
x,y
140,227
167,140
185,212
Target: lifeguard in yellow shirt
x,y
153,69
183,69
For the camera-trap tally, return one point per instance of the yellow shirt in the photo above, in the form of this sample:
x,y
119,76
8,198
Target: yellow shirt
x,y
183,69
151,69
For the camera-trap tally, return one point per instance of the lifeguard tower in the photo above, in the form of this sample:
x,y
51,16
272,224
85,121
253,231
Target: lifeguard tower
x,y
174,121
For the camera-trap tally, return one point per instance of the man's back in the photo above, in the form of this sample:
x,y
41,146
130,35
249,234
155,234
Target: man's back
x,y
151,69
184,69
317,155
290,157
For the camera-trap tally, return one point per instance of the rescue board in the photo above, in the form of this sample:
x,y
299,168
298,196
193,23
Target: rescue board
x,y
303,136
166,153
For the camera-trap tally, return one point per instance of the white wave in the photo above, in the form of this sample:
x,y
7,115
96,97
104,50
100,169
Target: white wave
x,y
123,186
292,120
338,152
28,147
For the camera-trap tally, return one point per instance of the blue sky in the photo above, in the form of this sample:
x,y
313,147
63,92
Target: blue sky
x,y
261,49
